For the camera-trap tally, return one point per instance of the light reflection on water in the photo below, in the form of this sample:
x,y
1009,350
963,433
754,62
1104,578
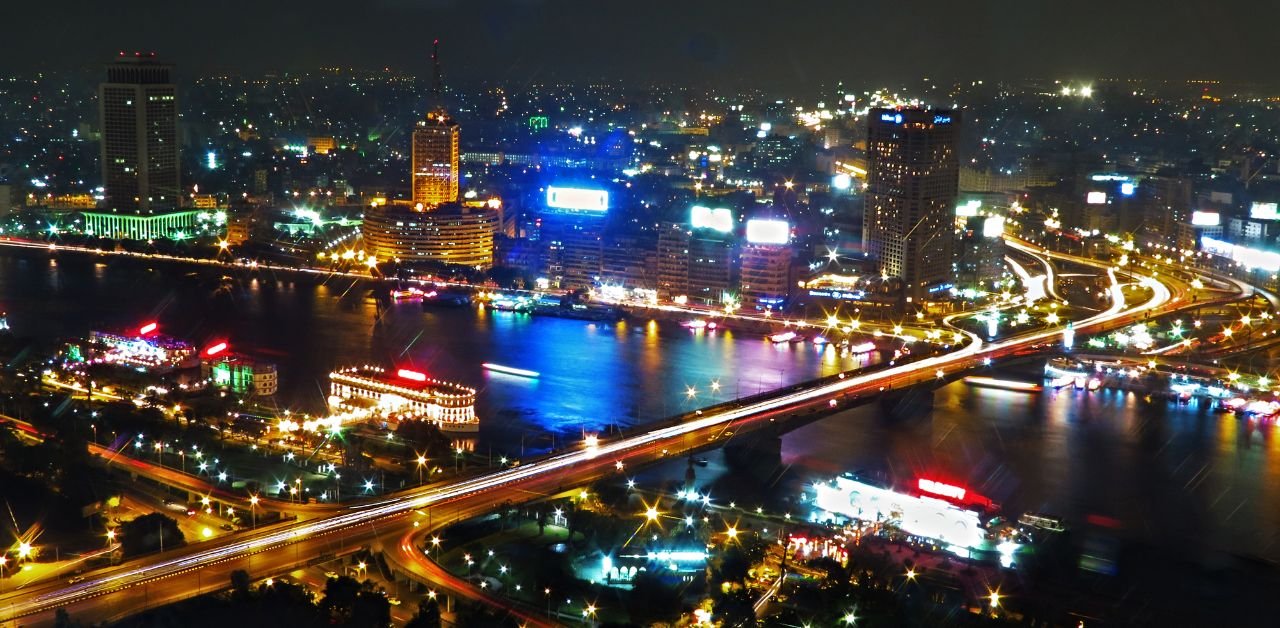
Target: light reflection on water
x,y
1176,476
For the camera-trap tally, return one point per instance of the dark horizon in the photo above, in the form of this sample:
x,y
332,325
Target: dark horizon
x,y
751,42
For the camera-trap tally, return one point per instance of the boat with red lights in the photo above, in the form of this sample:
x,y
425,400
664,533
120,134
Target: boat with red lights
x,y
403,394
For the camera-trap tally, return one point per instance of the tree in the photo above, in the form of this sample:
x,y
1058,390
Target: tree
x,y
340,598
428,616
148,533
240,583
62,619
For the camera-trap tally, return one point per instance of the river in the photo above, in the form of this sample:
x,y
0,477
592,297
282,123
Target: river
x,y
1174,476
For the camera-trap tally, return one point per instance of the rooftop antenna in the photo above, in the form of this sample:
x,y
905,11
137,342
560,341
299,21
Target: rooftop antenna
x,y
436,88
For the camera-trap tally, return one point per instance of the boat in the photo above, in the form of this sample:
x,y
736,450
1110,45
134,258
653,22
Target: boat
x,y
445,298
510,370
1003,384
785,336
408,294
403,395
1041,522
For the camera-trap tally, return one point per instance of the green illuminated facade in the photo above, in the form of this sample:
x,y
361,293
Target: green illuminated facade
x,y
176,225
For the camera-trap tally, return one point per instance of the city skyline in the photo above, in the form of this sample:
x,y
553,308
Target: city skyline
x,y
752,42
779,321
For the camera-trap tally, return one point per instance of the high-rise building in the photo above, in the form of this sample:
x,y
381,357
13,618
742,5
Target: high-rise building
x,y
435,160
912,181
766,263
673,261
712,279
138,105
436,152
571,230
447,234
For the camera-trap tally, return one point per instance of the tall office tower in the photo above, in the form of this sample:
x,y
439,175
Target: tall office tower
x,y
912,180
766,264
572,235
673,261
138,106
435,151
712,268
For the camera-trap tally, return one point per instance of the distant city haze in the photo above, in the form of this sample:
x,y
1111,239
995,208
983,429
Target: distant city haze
x,y
750,42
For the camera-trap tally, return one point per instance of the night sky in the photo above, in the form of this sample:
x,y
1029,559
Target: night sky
x,y
742,42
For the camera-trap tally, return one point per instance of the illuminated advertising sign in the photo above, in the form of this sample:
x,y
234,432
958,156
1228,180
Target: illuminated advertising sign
x,y
413,375
579,199
939,488
1265,211
895,118
1096,198
1205,219
1248,257
993,227
718,219
927,517
1127,189
761,231
842,182
149,328
969,209
215,349
942,119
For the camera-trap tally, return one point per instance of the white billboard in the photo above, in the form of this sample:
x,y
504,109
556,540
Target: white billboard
x,y
1205,219
580,199
1265,211
718,219
764,231
1096,198
993,226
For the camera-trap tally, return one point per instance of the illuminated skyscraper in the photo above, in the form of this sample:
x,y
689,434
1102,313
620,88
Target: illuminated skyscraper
x,y
435,151
138,106
912,181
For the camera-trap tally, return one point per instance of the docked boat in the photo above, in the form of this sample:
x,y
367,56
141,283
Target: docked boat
x,y
403,395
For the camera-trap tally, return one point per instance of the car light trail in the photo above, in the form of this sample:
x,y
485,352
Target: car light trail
x,y
973,355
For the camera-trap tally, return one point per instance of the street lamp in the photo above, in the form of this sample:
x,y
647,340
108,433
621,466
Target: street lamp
x,y
253,510
422,461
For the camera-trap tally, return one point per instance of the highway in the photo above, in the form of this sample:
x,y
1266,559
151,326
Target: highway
x,y
179,574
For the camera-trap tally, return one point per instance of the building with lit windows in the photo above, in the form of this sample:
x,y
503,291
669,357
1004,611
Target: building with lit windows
x,y
131,226
435,160
765,266
138,107
712,271
241,375
766,276
404,395
673,261
912,183
447,234
571,230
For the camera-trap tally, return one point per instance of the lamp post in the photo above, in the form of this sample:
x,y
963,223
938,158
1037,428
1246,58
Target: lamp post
x,y
422,461
253,510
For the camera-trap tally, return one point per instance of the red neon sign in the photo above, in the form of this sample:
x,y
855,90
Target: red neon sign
x,y
939,488
413,375
149,328
215,349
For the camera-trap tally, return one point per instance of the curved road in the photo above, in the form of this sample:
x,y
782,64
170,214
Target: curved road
x,y
184,572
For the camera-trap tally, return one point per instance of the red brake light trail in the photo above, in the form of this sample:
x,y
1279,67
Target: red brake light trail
x,y
149,328
215,349
413,375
